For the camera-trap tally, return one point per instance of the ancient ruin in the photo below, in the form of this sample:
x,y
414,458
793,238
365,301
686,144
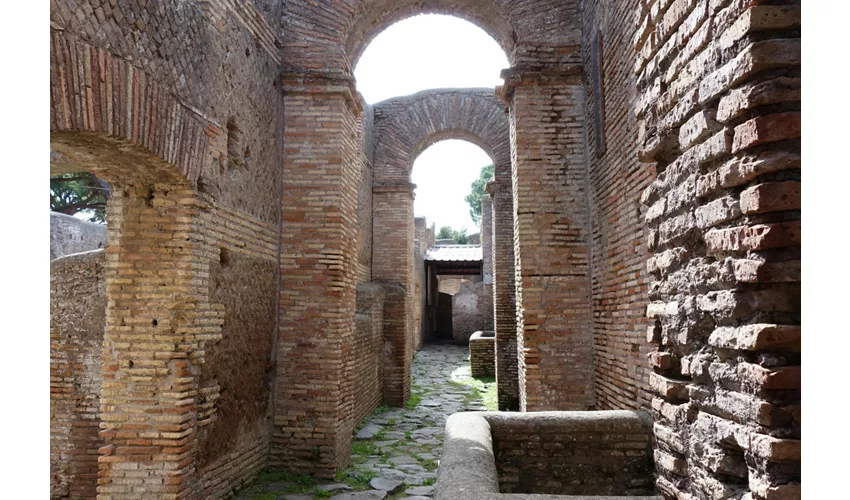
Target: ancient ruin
x,y
264,287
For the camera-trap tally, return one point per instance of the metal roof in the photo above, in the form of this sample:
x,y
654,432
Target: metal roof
x,y
455,253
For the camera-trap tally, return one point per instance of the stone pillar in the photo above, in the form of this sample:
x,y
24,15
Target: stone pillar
x,y
550,238
486,238
158,317
392,264
318,275
504,289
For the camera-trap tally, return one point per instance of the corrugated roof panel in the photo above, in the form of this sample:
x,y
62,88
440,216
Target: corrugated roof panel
x,y
457,253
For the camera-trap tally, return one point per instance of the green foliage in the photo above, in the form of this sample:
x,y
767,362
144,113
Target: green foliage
x,y
413,402
428,481
478,191
80,192
446,233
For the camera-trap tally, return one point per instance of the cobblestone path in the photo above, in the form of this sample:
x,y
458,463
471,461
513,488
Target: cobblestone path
x,y
396,451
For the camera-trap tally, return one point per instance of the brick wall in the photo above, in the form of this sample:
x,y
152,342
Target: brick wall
x,y
77,321
365,366
404,127
472,310
575,453
482,354
719,110
616,179
504,288
176,107
70,235
319,251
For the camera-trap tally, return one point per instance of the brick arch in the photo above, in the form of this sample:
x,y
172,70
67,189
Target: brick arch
x,y
113,119
381,14
406,126
330,37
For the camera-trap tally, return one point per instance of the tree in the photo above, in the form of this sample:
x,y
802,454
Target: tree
x,y
479,189
80,192
447,233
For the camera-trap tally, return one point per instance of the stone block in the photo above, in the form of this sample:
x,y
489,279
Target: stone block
x,y
771,197
766,129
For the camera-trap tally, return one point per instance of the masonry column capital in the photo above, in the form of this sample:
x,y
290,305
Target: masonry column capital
x,y
523,75
322,82
394,187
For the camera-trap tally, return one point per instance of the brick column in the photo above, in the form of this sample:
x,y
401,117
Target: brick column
x,y
504,289
550,238
486,238
392,264
157,319
318,276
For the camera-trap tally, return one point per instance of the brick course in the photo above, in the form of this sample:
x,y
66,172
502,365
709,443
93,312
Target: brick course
x,y
723,224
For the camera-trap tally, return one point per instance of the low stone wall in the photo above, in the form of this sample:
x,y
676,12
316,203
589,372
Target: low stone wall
x,y
69,235
482,354
546,455
366,354
472,310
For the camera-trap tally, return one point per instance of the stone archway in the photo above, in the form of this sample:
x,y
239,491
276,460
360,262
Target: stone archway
x,y
328,133
404,127
329,38
112,119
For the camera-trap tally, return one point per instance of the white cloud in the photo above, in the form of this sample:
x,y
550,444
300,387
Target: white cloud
x,y
426,52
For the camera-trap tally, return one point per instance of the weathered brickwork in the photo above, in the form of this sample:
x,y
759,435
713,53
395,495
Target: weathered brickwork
x,y
70,235
404,127
575,453
262,285
719,110
550,239
472,310
616,180
482,354
77,321
318,275
143,96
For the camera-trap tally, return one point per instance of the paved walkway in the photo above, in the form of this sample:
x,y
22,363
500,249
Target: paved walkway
x,y
396,451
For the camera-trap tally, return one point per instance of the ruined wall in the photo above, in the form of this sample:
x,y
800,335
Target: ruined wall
x,y
72,235
472,310
482,354
174,104
77,323
236,379
719,110
451,284
319,255
616,179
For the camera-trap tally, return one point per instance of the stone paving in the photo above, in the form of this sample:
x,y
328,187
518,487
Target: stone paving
x,y
396,451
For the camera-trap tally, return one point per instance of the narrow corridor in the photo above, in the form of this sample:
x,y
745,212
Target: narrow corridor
x,y
396,451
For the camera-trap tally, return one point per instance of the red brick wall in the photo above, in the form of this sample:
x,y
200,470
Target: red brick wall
x,y
719,110
153,88
618,263
550,238
318,277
